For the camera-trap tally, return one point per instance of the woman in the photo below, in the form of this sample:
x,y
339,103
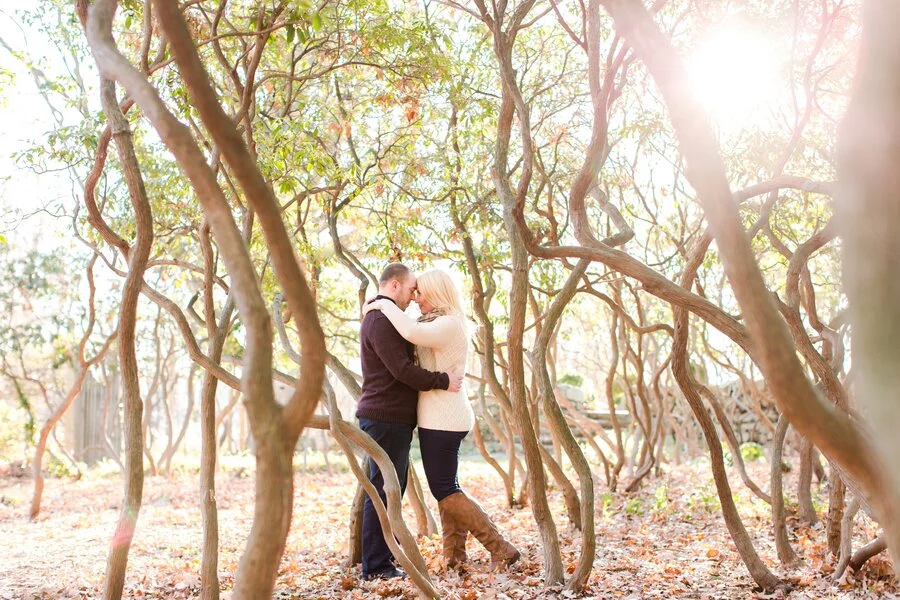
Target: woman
x,y
445,418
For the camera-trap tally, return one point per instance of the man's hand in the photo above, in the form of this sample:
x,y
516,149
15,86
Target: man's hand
x,y
456,379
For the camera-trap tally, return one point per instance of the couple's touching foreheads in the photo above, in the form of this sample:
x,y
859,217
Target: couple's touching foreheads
x,y
413,372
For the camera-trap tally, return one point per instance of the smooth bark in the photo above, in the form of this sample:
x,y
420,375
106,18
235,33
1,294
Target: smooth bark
x,y
138,255
783,546
869,210
560,427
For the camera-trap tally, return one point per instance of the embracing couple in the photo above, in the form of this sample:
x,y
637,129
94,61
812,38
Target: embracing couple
x,y
398,394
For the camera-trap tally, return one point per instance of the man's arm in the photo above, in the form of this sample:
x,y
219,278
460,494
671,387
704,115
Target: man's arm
x,y
391,349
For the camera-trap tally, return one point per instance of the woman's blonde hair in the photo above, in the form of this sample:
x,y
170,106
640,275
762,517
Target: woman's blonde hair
x,y
439,289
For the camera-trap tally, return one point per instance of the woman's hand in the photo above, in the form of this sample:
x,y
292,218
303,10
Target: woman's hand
x,y
370,306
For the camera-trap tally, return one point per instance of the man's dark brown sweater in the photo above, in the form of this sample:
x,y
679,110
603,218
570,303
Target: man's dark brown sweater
x,y
391,379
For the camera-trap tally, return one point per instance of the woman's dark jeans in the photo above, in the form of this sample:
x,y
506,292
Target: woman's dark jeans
x,y
440,457
395,439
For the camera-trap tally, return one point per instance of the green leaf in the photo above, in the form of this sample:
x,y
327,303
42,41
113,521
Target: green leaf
x,y
316,22
290,30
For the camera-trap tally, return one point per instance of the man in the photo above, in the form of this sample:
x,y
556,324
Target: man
x,y
387,408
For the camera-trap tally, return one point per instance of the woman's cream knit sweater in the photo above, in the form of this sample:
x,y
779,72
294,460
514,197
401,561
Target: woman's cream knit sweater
x,y
442,345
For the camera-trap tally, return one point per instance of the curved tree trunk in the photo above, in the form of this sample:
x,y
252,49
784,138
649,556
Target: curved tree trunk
x,y
275,429
834,518
557,422
258,355
512,105
209,558
401,542
808,514
41,445
137,257
758,570
869,207
354,555
611,404
84,366
503,431
862,555
137,262
588,428
730,436
553,572
782,544
570,496
846,538
425,523
763,577
828,428
504,476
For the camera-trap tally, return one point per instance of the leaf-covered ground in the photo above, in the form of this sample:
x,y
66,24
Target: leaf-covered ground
x,y
666,541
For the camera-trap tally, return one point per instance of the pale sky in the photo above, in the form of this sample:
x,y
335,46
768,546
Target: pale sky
x,y
25,119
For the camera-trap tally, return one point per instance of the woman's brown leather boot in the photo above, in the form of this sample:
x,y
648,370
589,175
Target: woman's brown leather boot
x,y
454,538
471,517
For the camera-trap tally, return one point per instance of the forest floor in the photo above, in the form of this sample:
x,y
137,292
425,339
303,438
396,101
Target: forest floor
x,y
666,541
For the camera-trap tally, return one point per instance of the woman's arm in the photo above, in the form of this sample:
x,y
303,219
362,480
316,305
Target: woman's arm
x,y
432,334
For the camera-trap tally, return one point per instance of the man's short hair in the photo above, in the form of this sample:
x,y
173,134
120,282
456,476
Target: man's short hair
x,y
396,270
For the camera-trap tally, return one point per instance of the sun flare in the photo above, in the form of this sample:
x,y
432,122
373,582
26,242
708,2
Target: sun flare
x,y
734,73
